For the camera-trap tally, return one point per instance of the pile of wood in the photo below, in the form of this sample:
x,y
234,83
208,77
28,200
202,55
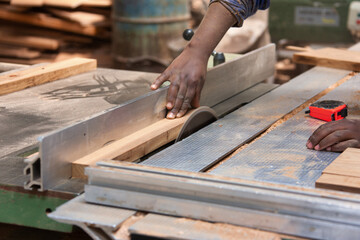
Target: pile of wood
x,y
33,31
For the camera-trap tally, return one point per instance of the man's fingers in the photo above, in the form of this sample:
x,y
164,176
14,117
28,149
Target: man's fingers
x,y
160,80
172,92
196,100
187,100
178,101
342,146
323,131
333,138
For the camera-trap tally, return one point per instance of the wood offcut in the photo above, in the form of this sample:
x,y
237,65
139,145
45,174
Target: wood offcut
x,y
343,174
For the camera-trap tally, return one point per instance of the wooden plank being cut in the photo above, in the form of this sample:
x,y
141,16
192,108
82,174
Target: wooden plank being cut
x,y
16,81
343,174
330,57
133,146
29,41
43,20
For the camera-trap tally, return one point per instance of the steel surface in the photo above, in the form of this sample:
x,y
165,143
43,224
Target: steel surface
x,y
295,211
77,210
59,149
209,145
281,156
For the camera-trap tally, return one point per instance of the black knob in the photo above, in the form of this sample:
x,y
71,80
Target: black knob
x,y
219,58
187,34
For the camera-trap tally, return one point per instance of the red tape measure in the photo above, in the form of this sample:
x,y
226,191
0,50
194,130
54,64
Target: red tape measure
x,y
328,110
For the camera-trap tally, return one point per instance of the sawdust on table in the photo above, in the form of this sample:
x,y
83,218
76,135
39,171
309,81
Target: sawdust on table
x,y
286,117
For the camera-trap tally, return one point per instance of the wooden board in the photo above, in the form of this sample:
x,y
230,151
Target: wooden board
x,y
339,183
83,18
62,3
43,20
16,81
133,146
347,164
343,174
29,41
16,52
33,3
330,57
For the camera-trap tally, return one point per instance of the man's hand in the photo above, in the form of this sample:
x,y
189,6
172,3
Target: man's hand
x,y
187,75
187,72
336,136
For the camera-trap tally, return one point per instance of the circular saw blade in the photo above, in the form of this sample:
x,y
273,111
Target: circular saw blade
x,y
198,119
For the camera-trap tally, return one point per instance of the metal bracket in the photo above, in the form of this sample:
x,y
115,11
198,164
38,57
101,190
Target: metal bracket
x,y
32,169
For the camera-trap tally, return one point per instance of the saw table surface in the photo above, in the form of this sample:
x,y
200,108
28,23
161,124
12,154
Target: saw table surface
x,y
271,132
37,111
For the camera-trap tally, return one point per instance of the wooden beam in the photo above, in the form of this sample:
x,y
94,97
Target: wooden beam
x,y
330,57
134,146
43,20
16,81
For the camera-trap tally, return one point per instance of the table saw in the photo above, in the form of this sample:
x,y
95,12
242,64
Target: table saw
x,y
245,175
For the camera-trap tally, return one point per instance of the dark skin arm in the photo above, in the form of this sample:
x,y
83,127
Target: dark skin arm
x,y
188,71
336,136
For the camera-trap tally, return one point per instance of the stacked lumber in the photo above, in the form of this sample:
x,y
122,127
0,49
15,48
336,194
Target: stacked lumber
x,y
329,57
34,31
343,174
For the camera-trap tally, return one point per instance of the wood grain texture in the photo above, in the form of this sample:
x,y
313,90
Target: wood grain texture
x,y
16,81
339,183
347,164
343,174
43,20
330,57
134,146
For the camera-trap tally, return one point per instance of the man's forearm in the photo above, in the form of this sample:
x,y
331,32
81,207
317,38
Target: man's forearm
x,y
213,27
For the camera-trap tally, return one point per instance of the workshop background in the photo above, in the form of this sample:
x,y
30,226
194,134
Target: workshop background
x,y
146,35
